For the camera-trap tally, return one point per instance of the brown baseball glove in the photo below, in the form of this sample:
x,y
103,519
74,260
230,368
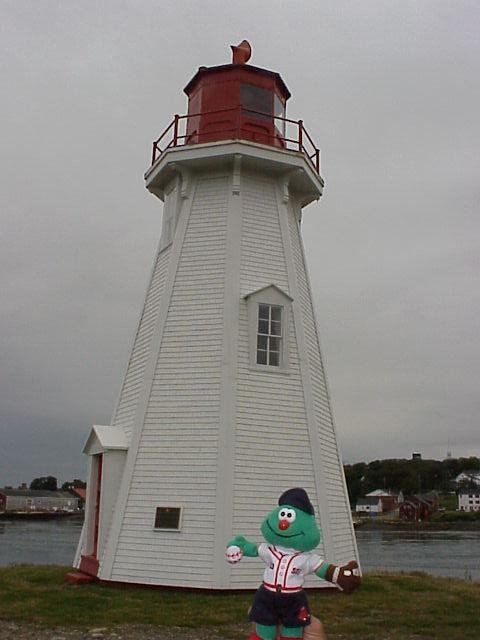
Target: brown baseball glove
x,y
345,576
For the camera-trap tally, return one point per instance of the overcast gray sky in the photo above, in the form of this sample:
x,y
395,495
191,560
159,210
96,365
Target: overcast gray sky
x,y
390,91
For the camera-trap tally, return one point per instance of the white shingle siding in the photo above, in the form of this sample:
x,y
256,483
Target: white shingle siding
x,y
339,512
128,399
272,450
262,259
211,433
177,455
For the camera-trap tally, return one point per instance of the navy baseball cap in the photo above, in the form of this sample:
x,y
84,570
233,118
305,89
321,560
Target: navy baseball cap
x,y
297,497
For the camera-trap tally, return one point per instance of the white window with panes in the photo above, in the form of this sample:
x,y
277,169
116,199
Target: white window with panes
x,y
269,335
269,310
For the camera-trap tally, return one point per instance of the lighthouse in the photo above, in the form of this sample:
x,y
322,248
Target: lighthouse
x,y
224,402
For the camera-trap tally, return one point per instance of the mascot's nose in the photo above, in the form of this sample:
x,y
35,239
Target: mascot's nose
x,y
283,524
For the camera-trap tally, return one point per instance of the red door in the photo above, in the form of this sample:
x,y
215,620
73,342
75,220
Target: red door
x,y
89,563
99,462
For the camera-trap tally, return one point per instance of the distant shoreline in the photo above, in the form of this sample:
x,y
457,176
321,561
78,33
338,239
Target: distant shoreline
x,y
372,524
40,515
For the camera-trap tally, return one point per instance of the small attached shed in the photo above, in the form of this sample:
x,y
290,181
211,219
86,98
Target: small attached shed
x,y
107,447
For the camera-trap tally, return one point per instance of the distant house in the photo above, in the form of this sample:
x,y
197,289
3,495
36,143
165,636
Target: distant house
x,y
469,476
433,500
413,509
81,494
371,505
37,500
469,500
389,500
419,507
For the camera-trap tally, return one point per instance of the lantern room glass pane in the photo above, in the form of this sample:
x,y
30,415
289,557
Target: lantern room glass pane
x,y
256,99
279,111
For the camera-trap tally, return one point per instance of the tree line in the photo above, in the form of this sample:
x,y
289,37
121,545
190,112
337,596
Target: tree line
x,y
50,483
412,477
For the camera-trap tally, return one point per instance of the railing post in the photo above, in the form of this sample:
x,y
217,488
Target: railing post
x,y
154,148
317,160
175,130
238,120
300,135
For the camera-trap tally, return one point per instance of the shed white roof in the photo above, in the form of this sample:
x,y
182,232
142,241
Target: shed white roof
x,y
106,437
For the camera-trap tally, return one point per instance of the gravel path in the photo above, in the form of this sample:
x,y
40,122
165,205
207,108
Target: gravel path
x,y
13,631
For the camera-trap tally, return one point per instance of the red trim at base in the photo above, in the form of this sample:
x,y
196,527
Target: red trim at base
x,y
74,577
218,592
89,565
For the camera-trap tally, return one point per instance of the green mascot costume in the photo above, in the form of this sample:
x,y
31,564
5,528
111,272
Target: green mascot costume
x,y
291,534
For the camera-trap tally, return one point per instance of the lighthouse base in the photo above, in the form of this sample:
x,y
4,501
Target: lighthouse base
x,y
76,577
89,565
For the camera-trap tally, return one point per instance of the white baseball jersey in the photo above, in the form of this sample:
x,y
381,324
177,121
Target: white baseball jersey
x,y
287,568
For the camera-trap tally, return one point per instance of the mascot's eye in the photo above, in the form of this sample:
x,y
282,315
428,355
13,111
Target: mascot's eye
x,y
287,514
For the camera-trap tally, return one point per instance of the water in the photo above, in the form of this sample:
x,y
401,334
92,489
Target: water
x,y
39,542
443,553
454,554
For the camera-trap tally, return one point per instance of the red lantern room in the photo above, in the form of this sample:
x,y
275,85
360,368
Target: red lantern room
x,y
236,101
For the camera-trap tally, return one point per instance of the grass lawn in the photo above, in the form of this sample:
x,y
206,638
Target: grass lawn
x,y
393,606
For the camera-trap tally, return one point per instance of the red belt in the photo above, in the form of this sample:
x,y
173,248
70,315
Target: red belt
x,y
279,589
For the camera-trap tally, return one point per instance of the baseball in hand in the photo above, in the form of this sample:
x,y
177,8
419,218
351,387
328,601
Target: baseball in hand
x,y
233,554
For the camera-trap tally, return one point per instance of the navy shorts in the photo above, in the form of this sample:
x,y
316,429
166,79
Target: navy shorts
x,y
288,609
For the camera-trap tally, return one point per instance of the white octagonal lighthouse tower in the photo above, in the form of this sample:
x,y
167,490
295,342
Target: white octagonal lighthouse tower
x,y
224,403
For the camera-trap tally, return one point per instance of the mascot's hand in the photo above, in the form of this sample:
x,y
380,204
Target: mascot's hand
x,y
248,548
346,577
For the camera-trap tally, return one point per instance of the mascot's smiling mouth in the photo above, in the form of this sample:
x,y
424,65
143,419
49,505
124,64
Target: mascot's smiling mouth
x,y
284,535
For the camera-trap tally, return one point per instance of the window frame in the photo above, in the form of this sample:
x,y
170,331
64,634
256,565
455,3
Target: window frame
x,y
272,296
268,332
169,506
